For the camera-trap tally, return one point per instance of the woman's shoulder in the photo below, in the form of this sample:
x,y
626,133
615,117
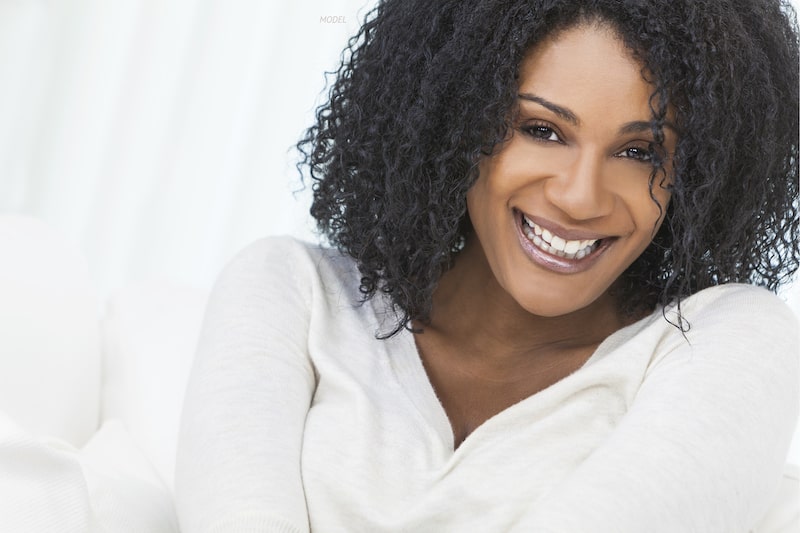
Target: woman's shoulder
x,y
731,318
287,253
287,260
735,318
275,248
737,303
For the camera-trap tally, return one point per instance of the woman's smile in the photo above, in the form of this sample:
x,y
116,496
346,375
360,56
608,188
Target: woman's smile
x,y
558,249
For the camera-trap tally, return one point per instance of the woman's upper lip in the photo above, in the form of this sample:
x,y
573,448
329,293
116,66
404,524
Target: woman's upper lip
x,y
564,233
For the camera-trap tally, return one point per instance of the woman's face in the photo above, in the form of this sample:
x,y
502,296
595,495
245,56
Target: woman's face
x,y
564,206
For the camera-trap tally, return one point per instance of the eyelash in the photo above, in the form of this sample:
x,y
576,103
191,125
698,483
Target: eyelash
x,y
643,155
535,131
542,132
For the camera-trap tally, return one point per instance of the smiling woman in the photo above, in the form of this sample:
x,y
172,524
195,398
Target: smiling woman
x,y
542,308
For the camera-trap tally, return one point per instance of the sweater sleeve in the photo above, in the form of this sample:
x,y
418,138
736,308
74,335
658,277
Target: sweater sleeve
x,y
704,443
238,463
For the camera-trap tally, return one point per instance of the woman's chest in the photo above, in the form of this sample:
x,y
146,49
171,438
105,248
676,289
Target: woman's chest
x,y
471,394
378,449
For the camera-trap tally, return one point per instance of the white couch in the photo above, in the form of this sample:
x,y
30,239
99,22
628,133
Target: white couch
x,y
89,406
90,397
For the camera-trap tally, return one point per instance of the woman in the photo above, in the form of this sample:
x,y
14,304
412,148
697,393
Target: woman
x,y
540,313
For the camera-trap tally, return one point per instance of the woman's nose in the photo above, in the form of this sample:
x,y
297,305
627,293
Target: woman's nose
x,y
579,188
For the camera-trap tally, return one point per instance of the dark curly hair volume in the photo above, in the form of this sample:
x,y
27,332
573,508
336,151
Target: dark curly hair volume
x,y
427,88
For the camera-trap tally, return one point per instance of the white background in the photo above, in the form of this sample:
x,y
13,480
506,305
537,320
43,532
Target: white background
x,y
157,134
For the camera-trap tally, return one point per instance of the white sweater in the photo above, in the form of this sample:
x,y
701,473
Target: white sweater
x,y
298,418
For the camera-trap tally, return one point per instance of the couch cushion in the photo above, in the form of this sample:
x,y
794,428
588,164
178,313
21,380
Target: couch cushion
x,y
126,494
150,331
49,486
49,333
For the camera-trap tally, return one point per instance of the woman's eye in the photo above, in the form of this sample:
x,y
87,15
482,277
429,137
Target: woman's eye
x,y
541,132
638,153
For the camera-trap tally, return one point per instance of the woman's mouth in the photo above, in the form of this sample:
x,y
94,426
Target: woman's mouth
x,y
555,245
564,251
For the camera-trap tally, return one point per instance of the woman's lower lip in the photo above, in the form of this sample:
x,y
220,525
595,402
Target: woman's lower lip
x,y
555,263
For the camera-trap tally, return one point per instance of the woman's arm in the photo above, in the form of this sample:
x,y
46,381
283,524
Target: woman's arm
x,y
704,443
238,464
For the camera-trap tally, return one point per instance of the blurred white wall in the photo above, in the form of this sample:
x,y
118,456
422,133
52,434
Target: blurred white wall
x,y
157,134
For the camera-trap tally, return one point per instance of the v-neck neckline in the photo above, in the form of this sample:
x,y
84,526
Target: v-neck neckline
x,y
414,380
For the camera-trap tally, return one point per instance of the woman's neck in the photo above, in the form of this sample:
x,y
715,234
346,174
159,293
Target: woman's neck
x,y
473,311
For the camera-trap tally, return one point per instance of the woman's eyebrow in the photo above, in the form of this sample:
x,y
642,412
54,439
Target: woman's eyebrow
x,y
643,126
638,126
562,112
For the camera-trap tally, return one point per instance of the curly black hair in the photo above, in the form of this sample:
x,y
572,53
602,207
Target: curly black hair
x,y
425,89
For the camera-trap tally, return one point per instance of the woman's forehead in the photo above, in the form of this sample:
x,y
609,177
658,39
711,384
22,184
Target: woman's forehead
x,y
583,65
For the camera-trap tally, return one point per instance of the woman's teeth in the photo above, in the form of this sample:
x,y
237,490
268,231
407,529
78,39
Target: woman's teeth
x,y
555,245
